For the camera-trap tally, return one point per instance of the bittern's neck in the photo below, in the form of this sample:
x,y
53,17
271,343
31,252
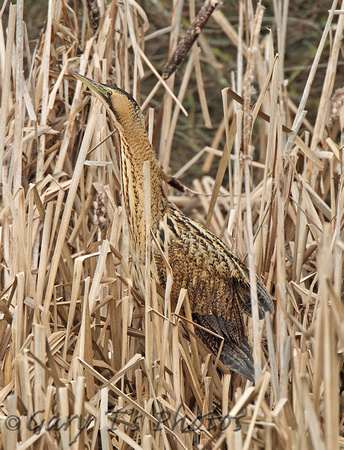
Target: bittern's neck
x,y
136,149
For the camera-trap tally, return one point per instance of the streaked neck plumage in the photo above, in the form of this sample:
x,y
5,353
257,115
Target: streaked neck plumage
x,y
135,150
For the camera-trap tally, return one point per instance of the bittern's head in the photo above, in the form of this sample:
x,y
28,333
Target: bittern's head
x,y
125,112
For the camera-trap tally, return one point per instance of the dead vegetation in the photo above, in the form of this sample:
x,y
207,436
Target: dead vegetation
x,y
85,361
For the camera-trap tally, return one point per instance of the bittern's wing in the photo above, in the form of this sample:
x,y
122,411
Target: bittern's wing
x,y
207,252
264,300
215,306
218,288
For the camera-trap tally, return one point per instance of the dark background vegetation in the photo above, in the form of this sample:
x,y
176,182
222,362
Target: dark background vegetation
x,y
306,21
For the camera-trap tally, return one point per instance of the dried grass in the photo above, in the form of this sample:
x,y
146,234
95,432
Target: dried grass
x,y
77,339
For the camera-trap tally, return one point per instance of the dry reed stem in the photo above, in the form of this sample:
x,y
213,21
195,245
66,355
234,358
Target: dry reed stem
x,y
76,338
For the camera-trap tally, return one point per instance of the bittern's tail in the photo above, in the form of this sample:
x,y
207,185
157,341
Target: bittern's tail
x,y
237,357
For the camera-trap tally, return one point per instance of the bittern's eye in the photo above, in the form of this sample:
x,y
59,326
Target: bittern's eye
x,y
109,94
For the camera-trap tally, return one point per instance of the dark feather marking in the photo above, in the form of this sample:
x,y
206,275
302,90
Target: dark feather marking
x,y
236,357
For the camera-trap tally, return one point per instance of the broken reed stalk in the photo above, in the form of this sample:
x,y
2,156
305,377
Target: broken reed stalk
x,y
76,337
189,38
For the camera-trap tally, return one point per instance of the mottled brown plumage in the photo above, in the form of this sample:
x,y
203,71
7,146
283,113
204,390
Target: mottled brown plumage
x,y
216,280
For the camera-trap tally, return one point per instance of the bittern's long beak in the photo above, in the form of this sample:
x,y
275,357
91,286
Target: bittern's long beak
x,y
99,89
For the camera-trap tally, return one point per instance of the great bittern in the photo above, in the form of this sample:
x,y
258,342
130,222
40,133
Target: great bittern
x,y
216,280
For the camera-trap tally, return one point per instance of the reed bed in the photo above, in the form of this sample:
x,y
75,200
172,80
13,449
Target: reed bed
x,y
86,361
